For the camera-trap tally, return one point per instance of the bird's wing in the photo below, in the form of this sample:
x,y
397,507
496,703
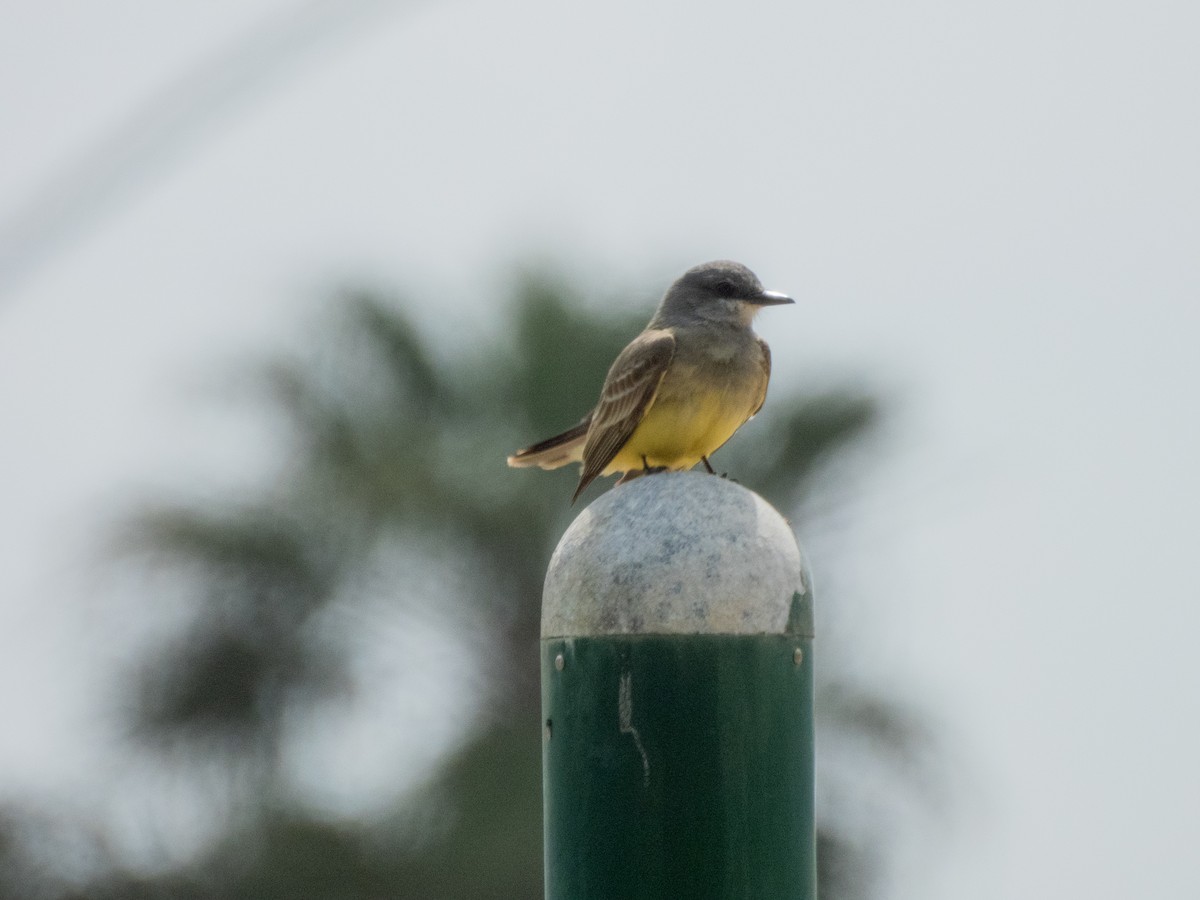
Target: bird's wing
x,y
629,390
766,366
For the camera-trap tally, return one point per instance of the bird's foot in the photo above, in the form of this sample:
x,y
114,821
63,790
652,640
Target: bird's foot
x,y
648,469
708,467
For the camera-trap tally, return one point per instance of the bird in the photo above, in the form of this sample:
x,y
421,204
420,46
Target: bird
x,y
680,389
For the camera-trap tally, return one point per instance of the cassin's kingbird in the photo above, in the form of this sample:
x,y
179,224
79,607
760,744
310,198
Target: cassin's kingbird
x,y
680,389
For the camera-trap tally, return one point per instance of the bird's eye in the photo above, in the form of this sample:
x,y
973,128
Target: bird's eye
x,y
725,289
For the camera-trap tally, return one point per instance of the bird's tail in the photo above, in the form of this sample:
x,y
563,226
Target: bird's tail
x,y
554,452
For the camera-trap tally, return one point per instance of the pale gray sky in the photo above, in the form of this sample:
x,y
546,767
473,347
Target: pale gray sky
x,y
993,209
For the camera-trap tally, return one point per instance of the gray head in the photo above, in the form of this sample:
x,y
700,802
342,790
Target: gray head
x,y
721,292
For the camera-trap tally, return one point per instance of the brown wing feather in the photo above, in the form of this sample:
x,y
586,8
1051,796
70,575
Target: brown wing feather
x,y
766,364
628,392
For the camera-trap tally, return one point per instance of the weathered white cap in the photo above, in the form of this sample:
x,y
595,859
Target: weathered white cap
x,y
678,553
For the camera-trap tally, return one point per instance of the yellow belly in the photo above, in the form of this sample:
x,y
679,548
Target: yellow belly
x,y
676,432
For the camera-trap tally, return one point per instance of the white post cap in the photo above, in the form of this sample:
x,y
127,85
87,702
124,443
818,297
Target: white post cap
x,y
678,553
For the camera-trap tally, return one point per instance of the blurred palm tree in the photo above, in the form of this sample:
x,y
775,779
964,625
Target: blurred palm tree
x,y
400,452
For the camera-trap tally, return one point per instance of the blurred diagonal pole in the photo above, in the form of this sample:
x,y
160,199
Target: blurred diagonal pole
x,y
164,126
677,695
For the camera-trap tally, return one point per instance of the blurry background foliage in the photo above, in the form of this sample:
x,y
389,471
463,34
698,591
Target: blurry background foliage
x,y
395,488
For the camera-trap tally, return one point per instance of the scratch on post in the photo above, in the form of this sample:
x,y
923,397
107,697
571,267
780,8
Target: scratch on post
x,y
625,712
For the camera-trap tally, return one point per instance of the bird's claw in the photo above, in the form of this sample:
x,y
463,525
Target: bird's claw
x,y
648,469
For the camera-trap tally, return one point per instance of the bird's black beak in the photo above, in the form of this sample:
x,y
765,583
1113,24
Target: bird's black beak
x,y
770,298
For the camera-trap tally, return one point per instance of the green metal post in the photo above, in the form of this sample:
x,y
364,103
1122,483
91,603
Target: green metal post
x,y
677,699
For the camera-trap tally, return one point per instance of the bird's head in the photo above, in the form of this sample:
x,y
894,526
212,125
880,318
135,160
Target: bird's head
x,y
722,292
